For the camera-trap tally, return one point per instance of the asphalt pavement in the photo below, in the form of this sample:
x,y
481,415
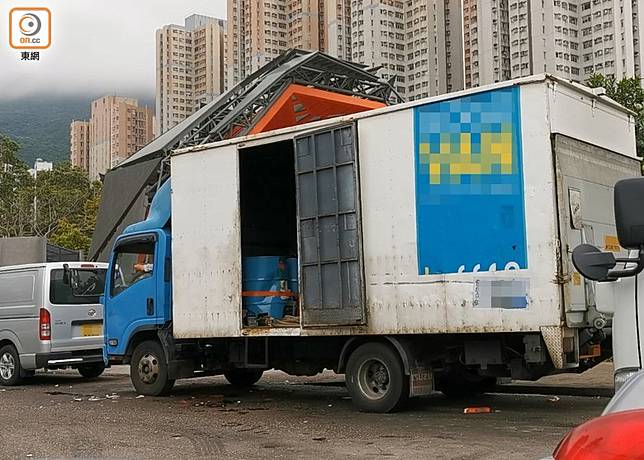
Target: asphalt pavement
x,y
60,415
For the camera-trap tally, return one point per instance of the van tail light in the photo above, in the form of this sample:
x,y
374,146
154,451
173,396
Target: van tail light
x,y
44,324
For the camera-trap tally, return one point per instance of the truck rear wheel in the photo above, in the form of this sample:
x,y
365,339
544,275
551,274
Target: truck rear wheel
x,y
149,369
243,378
376,378
10,369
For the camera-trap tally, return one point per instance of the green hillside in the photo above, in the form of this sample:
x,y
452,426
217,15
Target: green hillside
x,y
41,126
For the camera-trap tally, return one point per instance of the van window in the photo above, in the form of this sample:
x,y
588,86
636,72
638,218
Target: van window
x,y
91,283
17,288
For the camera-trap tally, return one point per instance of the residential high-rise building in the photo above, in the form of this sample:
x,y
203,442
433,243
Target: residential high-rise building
x,y
258,32
118,127
190,68
335,28
79,144
417,42
576,38
486,42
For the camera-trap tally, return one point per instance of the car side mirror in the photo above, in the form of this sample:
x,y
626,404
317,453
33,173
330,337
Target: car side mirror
x,y
629,212
593,263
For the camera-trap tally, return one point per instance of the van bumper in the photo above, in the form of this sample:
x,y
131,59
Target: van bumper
x,y
69,358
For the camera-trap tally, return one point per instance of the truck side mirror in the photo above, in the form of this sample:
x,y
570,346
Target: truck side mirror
x,y
629,212
593,263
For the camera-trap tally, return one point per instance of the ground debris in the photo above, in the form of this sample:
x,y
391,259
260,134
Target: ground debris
x,y
478,410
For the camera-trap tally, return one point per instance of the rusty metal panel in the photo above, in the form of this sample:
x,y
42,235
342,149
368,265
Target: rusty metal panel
x,y
330,257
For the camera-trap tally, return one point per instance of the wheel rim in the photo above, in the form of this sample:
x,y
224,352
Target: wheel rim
x,y
7,366
149,368
373,379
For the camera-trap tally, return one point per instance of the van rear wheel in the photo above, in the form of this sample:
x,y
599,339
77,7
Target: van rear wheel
x,y
91,371
10,369
149,369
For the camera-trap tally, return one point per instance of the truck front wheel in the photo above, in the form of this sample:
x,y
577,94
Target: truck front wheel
x,y
149,369
243,378
376,378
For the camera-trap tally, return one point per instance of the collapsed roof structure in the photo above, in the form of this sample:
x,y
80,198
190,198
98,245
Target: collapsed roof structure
x,y
296,88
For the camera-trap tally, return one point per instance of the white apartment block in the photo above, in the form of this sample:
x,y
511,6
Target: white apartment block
x,y
417,42
335,23
259,31
486,42
190,68
576,38
429,47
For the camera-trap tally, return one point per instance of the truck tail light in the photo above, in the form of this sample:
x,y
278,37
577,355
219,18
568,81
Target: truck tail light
x,y
44,324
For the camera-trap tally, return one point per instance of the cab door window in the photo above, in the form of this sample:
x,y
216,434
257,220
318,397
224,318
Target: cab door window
x,y
132,264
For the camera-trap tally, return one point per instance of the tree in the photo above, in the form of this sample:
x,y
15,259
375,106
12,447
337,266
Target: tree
x,y
16,191
60,204
69,235
60,195
629,93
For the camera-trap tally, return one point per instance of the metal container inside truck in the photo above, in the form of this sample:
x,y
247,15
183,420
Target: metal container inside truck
x,y
432,236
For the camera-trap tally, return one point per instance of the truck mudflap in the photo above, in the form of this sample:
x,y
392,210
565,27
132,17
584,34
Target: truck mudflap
x,y
563,346
421,381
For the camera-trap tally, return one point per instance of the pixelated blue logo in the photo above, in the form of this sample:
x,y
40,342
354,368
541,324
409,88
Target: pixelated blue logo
x,y
469,184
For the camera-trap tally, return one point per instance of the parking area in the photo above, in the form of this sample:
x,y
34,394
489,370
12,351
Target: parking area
x,y
58,414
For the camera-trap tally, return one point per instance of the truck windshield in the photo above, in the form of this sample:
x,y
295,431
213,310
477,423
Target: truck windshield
x,y
91,283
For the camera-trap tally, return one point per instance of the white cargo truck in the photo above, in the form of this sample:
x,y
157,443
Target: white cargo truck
x,y
424,245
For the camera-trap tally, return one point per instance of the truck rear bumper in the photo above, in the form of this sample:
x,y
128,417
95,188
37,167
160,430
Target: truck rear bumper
x,y
68,358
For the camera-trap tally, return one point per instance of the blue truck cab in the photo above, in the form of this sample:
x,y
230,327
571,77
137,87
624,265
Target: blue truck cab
x,y
138,311
138,290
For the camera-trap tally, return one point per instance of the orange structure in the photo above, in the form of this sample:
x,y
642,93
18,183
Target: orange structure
x,y
300,104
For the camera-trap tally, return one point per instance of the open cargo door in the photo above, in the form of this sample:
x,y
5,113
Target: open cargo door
x,y
206,247
330,240
585,176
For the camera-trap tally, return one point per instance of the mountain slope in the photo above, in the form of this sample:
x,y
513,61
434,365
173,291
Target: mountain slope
x,y
41,125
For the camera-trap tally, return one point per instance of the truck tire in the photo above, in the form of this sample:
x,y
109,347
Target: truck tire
x,y
376,379
91,371
243,378
149,369
10,370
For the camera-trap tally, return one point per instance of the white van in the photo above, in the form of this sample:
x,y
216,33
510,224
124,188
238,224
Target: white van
x,y
50,317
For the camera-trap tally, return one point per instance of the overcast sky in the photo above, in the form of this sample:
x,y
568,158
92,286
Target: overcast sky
x,y
98,46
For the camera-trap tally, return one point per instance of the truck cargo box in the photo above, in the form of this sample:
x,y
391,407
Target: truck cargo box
x,y
449,215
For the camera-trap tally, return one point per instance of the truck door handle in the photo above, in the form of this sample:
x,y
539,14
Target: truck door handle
x,y
150,306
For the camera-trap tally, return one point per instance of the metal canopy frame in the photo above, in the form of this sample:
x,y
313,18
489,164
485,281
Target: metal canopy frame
x,y
235,112
232,114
